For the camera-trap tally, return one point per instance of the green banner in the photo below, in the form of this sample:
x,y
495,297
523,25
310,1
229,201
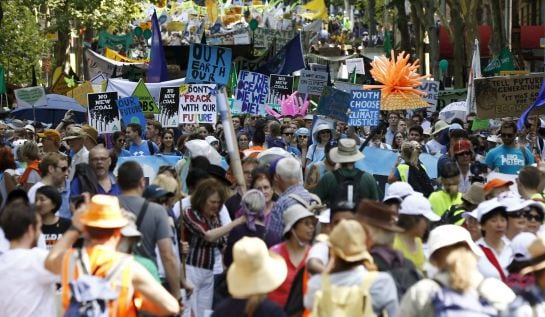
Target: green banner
x,y
503,62
3,89
115,42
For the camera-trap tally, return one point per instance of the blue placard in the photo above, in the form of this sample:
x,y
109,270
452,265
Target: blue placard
x,y
208,64
364,108
131,111
252,92
334,103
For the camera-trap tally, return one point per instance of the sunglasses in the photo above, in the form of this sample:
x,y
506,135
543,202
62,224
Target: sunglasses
x,y
464,153
287,134
64,168
516,214
531,217
303,136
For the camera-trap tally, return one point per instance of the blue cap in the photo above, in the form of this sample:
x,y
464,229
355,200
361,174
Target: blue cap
x,y
455,126
302,131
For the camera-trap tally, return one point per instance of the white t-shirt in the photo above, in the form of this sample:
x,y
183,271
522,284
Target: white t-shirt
x,y
28,289
504,259
32,192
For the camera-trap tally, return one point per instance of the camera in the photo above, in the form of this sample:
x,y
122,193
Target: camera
x,y
477,169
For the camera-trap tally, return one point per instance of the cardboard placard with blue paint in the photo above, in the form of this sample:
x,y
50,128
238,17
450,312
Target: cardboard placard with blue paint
x,y
198,103
131,111
312,82
252,91
236,107
431,87
208,64
334,103
364,108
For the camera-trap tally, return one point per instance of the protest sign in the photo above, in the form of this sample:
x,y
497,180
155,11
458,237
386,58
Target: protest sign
x,y
312,82
146,99
356,63
169,103
431,87
131,111
236,107
30,96
380,162
509,96
346,87
318,67
80,93
449,96
280,86
252,91
364,108
208,64
150,164
264,37
103,112
334,103
198,103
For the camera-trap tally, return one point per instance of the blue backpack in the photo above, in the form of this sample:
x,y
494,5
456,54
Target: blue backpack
x,y
450,303
91,294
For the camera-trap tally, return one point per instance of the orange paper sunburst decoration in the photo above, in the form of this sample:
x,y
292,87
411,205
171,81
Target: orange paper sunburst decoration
x,y
400,81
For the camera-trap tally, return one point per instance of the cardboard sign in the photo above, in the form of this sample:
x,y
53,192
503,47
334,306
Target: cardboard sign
x,y
80,93
236,107
334,103
131,111
146,99
346,87
280,86
208,64
356,63
252,91
30,96
449,96
364,108
198,103
431,87
103,112
312,82
509,96
169,102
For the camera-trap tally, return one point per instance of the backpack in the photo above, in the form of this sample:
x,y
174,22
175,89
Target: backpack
x,y
449,303
344,301
91,295
347,187
151,148
402,270
87,179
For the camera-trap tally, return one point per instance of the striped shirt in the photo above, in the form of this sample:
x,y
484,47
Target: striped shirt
x,y
201,252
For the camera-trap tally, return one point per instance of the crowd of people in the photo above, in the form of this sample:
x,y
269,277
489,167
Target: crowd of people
x,y
308,233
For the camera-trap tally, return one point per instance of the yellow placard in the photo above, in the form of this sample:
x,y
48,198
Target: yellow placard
x,y
80,93
145,25
513,72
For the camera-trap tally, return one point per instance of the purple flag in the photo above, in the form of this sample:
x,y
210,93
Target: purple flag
x,y
157,68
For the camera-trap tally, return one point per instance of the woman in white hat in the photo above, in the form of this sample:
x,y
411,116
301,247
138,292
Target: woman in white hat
x,y
254,273
415,215
320,136
455,255
351,266
299,229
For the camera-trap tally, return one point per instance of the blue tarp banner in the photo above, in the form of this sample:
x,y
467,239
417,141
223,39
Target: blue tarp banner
x,y
380,162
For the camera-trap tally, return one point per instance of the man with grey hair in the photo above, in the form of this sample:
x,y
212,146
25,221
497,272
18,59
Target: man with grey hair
x,y
288,179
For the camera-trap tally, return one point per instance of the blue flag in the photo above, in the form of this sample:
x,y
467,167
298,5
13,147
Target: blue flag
x,y
540,101
157,68
288,59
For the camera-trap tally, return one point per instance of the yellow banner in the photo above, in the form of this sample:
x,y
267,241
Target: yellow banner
x,y
80,93
111,54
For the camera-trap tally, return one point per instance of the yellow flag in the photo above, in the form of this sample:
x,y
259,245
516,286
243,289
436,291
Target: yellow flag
x,y
212,8
319,10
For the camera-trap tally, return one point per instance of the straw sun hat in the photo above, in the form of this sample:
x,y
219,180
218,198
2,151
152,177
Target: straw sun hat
x,y
255,270
104,212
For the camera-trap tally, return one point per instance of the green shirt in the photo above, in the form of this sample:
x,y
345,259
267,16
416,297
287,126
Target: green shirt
x,y
441,201
367,187
149,266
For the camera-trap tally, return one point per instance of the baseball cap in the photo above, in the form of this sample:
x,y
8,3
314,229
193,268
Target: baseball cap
x,y
50,134
418,205
398,191
461,146
455,126
155,191
496,183
487,206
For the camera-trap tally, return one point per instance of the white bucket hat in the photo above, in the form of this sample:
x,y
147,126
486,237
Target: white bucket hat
x,y
321,127
293,214
346,152
255,270
447,235
418,205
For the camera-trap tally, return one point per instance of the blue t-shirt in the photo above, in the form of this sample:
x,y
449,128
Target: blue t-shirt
x,y
316,153
508,160
294,150
142,149
124,153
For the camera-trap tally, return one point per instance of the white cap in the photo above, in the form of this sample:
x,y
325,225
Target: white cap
x,y
447,235
535,204
398,191
418,205
512,203
487,206
30,127
519,245
325,216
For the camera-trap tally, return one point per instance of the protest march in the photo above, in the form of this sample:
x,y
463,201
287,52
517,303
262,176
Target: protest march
x,y
209,158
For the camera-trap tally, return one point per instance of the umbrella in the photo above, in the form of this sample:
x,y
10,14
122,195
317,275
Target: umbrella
x,y
52,111
453,110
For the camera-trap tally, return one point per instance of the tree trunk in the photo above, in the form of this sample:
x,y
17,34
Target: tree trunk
x,y
497,42
61,47
372,21
433,37
418,44
1,14
458,41
403,27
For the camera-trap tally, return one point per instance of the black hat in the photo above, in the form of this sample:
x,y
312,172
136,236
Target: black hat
x,y
219,173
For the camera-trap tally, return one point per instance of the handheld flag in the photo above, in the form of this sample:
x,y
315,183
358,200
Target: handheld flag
x,y
353,76
288,59
474,72
540,101
319,10
157,69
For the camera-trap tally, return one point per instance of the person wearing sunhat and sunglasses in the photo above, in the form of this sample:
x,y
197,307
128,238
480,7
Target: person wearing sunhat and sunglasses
x,y
321,135
100,220
509,157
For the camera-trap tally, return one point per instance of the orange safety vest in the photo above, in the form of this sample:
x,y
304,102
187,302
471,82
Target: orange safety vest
x,y
102,260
